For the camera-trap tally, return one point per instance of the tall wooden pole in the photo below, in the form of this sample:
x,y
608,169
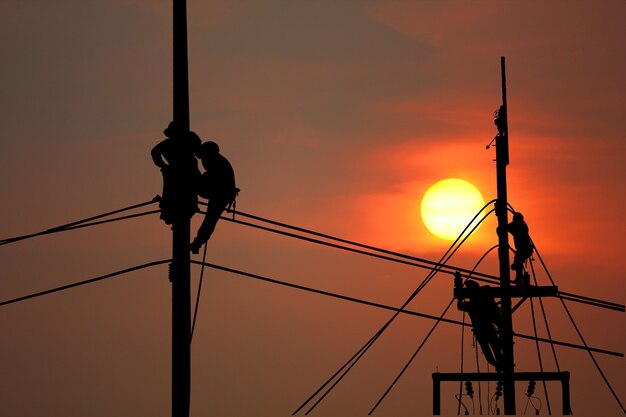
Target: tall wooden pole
x,y
181,303
506,332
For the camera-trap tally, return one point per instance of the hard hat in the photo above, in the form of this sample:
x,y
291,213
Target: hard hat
x,y
208,148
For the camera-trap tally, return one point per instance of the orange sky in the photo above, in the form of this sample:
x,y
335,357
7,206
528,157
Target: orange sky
x,y
337,116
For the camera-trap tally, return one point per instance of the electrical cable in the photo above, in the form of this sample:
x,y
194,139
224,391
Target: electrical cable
x,y
480,396
195,311
406,366
80,223
545,388
545,320
300,287
347,298
369,343
390,308
478,276
433,265
361,245
606,381
458,410
84,282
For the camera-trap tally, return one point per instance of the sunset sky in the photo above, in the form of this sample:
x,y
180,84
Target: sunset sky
x,y
337,116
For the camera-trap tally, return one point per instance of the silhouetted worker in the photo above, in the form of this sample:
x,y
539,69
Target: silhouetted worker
x,y
216,184
523,245
485,316
175,157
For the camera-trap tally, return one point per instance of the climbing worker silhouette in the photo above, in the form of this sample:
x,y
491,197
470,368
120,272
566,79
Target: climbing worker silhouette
x,y
485,316
175,157
523,246
216,184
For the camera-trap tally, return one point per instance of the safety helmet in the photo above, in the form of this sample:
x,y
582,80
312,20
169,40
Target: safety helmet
x,y
208,148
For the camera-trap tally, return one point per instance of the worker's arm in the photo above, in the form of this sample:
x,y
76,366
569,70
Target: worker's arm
x,y
157,155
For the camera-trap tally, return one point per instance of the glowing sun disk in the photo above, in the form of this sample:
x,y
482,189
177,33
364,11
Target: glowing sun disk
x,y
449,205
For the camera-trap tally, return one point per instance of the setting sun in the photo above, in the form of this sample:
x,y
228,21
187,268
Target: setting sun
x,y
449,205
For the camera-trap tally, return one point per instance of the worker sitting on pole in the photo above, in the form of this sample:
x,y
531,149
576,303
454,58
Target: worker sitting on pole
x,y
485,316
217,184
175,157
523,247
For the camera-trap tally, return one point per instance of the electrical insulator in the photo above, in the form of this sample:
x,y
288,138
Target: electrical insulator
x,y
498,390
531,389
469,389
170,273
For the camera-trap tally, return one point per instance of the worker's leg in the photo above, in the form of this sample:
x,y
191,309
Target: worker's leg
x,y
487,353
214,210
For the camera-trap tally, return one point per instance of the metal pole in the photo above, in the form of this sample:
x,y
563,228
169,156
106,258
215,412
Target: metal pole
x,y
181,304
506,333
436,394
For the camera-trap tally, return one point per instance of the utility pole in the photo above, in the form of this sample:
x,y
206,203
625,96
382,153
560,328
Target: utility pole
x,y
506,375
506,333
180,268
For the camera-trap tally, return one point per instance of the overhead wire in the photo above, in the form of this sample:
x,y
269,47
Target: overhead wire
x,y
545,320
387,307
437,266
480,394
83,282
86,222
286,284
344,369
418,262
195,310
408,363
477,276
357,244
462,364
606,381
545,388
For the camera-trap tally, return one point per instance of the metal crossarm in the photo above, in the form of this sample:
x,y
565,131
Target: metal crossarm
x,y
438,377
514,292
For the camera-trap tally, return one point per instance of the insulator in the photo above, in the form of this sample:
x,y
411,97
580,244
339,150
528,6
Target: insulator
x,y
498,390
531,388
170,273
469,389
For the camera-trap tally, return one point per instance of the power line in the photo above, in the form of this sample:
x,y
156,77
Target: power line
x,y
417,261
195,311
439,319
84,282
388,307
86,222
606,381
406,366
477,276
286,284
545,389
347,366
